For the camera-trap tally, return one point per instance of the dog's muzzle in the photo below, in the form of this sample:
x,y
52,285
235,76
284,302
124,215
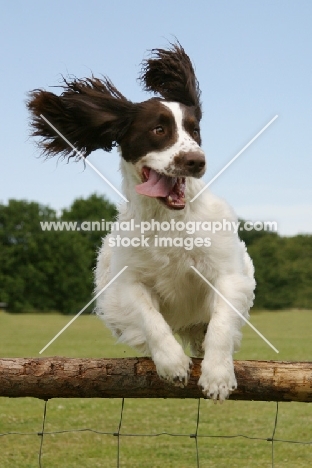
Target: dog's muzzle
x,y
190,164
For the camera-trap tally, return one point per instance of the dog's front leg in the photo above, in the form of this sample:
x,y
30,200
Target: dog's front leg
x,y
131,311
171,362
223,337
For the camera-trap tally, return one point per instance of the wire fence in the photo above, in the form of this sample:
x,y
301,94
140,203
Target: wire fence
x,y
199,458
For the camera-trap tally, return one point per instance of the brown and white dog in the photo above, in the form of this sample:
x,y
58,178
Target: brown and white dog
x,y
159,294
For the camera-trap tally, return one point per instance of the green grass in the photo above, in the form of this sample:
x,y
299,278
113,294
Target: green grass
x,y
25,335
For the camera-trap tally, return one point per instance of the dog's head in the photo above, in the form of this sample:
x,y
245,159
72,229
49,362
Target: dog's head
x,y
159,137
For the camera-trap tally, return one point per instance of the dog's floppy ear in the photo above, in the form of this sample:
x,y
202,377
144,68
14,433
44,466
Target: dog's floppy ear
x,y
90,113
170,73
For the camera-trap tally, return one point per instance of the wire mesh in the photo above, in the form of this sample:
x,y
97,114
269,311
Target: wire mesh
x,y
200,439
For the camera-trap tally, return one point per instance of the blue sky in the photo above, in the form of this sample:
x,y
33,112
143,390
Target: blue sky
x,y
252,59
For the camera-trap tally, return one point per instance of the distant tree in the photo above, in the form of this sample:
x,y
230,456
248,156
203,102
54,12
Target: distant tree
x,y
24,254
46,269
298,251
272,291
43,270
92,213
253,235
283,270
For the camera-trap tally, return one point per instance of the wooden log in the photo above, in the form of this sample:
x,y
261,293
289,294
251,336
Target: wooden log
x,y
57,377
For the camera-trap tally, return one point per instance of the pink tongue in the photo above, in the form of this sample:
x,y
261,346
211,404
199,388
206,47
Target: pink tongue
x,y
157,185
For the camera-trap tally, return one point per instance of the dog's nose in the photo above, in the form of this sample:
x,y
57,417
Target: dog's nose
x,y
195,162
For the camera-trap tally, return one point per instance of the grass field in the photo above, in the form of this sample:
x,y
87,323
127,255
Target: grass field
x,y
25,335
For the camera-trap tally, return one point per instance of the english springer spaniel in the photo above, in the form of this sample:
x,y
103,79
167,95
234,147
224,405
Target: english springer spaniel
x,y
161,293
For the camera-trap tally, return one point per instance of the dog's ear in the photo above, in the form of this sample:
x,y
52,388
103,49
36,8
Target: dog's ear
x,y
170,73
90,114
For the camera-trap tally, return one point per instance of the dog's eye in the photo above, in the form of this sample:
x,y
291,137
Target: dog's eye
x,y
196,132
159,130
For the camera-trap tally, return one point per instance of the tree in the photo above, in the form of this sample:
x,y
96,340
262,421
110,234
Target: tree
x,y
47,269
91,215
251,236
22,253
283,269
44,270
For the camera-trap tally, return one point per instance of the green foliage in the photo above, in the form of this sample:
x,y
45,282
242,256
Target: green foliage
x,y
283,268
46,269
91,213
251,236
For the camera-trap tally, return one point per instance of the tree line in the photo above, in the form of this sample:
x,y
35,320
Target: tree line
x,y
48,270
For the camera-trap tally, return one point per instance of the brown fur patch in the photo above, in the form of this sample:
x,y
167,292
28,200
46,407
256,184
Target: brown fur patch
x,y
90,113
170,73
140,138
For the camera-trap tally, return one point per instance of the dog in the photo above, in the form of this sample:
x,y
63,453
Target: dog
x,y
162,293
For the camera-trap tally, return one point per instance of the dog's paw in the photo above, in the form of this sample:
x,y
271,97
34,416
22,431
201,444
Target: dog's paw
x,y
173,366
217,381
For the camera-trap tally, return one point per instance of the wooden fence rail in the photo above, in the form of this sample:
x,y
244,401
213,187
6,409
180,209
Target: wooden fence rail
x,y
57,377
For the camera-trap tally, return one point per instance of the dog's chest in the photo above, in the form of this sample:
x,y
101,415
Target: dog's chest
x,y
182,296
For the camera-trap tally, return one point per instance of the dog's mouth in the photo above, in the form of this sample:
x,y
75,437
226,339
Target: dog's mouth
x,y
169,190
